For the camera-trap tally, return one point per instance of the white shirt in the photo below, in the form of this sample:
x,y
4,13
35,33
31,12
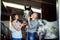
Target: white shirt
x,y
15,33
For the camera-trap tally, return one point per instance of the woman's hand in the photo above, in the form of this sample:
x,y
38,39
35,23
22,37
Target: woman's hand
x,y
22,25
17,28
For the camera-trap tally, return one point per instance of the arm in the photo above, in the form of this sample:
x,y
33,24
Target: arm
x,y
17,28
32,24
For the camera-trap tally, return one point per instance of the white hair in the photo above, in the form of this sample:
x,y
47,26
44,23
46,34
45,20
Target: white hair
x,y
35,13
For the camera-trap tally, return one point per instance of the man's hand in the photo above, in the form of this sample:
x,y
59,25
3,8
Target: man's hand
x,y
28,19
27,27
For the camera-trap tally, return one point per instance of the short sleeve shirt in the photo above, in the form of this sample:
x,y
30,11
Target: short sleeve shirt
x,y
15,33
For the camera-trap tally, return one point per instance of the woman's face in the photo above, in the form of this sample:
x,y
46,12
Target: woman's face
x,y
16,17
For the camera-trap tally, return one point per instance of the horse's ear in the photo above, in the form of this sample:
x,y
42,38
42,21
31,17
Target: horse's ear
x,y
28,7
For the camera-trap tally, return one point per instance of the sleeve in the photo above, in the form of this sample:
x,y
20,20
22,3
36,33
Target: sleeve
x,y
13,22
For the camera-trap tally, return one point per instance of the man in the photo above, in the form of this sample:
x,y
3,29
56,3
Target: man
x,y
32,27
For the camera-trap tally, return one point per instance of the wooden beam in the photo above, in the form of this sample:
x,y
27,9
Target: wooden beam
x,y
44,2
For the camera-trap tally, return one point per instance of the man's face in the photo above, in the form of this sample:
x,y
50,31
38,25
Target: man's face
x,y
34,15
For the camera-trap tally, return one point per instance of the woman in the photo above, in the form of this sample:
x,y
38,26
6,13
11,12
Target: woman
x,y
16,28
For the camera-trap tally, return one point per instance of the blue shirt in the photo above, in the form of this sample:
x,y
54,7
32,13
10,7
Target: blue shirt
x,y
32,26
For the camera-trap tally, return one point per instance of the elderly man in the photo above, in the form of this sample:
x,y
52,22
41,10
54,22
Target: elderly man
x,y
32,27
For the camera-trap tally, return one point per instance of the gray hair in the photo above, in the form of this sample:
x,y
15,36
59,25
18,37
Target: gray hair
x,y
35,13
